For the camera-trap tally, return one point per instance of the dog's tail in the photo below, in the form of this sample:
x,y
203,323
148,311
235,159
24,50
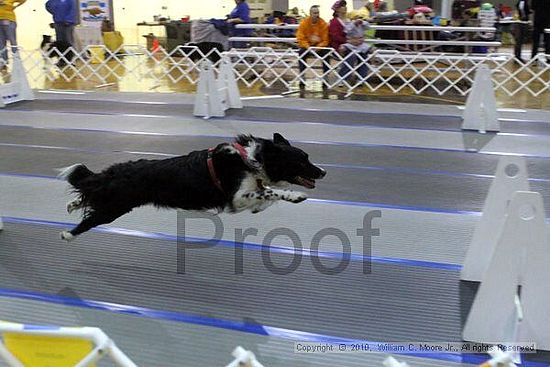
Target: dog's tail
x,y
74,174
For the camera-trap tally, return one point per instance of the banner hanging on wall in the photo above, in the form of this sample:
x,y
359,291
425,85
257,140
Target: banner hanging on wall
x,y
93,13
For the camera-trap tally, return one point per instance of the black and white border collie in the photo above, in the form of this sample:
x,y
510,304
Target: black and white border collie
x,y
57,49
249,174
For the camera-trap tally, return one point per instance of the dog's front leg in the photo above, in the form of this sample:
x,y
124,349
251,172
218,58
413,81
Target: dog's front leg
x,y
259,200
286,195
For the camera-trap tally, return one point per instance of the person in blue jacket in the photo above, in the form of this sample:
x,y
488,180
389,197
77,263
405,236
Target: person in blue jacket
x,y
64,18
239,15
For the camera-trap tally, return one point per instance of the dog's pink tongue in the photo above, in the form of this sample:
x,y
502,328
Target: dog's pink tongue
x,y
310,184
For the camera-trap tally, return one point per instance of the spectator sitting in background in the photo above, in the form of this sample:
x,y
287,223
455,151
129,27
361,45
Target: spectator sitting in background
x,y
337,25
239,15
275,18
312,32
280,18
487,17
355,50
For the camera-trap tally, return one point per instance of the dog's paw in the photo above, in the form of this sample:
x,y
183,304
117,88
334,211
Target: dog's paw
x,y
295,197
67,236
73,205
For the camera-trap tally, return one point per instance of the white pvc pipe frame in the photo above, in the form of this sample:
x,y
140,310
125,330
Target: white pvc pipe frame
x,y
380,27
104,346
379,41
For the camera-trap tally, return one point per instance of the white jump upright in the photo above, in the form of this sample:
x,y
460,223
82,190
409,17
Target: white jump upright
x,y
214,96
502,358
228,84
500,311
244,358
18,89
510,176
480,112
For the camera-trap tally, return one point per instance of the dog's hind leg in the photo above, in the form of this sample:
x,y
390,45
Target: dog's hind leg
x,y
93,219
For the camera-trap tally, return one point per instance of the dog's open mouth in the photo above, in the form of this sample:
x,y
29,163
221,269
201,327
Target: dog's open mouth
x,y
306,182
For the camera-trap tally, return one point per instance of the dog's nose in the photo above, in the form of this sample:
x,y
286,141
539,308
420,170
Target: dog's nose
x,y
323,172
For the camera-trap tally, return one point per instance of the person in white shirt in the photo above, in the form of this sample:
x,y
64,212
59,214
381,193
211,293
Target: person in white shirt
x,y
487,17
355,50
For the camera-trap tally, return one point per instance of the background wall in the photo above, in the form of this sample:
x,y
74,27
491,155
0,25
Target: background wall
x,y
33,20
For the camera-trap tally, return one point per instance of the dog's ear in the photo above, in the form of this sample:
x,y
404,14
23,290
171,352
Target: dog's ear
x,y
279,139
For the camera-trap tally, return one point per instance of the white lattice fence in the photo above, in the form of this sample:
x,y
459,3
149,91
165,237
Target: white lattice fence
x,y
392,71
398,72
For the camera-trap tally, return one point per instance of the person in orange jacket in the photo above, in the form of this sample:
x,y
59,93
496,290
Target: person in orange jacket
x,y
312,32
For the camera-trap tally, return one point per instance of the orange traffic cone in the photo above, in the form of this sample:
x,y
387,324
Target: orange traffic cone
x,y
155,46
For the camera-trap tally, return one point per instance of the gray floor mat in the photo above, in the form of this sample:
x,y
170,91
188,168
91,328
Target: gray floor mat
x,y
282,115
369,156
393,302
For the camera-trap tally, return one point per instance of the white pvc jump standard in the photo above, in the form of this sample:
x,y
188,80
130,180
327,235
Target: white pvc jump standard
x,y
480,112
214,96
18,88
510,176
501,312
510,248
502,358
244,358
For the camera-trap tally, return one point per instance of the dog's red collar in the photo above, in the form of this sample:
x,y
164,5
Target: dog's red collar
x,y
210,163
